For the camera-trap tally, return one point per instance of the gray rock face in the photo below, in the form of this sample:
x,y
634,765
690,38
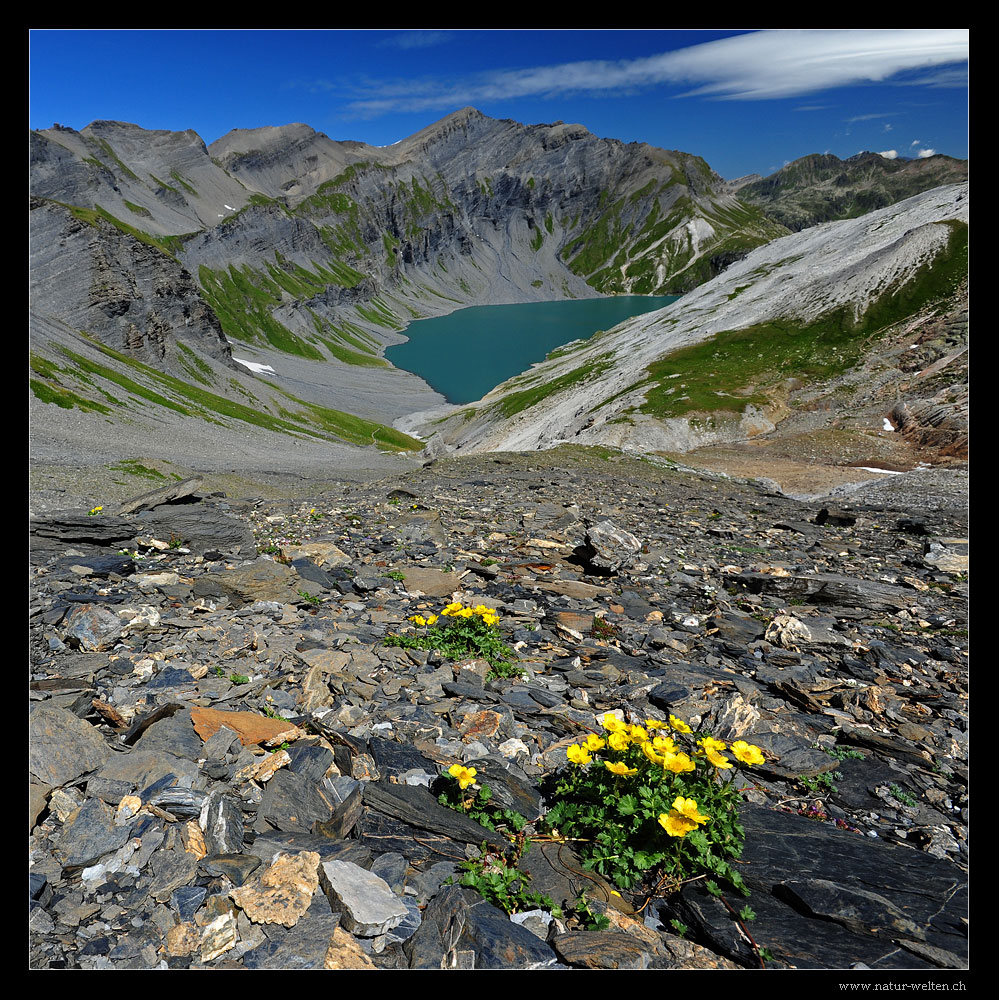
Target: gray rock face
x,y
133,297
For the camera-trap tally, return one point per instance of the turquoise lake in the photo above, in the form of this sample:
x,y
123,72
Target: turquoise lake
x,y
467,353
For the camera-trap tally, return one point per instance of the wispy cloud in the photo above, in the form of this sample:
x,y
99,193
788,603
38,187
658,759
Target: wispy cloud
x,y
867,118
762,65
923,153
417,40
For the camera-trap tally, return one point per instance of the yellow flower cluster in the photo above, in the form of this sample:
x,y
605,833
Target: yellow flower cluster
x,y
661,750
421,621
457,610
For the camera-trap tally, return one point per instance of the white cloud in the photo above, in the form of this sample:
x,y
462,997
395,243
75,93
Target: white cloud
x,y
889,154
867,118
760,65
887,127
417,40
923,153
916,142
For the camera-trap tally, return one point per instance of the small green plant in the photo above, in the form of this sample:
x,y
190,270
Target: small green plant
x,y
175,541
468,632
239,679
506,671
313,599
679,927
395,501
588,920
315,515
270,549
902,796
602,629
396,575
458,791
640,803
841,753
821,783
494,875
94,511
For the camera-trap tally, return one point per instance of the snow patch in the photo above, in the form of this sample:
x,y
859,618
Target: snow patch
x,y
888,426
255,367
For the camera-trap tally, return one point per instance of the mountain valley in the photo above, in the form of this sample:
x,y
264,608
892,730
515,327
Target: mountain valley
x,y
235,300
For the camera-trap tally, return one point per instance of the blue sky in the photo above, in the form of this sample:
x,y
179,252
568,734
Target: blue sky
x,y
747,101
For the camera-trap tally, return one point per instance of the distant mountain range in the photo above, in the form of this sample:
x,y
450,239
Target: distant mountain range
x,y
821,187
154,257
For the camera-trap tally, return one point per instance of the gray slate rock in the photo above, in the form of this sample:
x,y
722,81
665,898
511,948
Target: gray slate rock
x,y
367,905
460,930
61,746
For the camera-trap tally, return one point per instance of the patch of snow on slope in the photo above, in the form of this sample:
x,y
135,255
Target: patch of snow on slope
x,y
254,367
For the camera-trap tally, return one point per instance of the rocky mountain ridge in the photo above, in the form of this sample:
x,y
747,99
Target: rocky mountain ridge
x,y
822,187
324,250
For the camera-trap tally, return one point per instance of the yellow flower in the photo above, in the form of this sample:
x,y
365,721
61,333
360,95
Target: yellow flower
x,y
747,753
463,775
451,609
618,767
682,818
678,763
419,619
711,747
679,725
578,754
638,734
717,759
664,743
688,808
654,724
652,755
619,741
613,724
431,619
594,742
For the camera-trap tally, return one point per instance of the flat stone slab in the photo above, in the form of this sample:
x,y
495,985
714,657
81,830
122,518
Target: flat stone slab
x,y
252,729
367,905
61,746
